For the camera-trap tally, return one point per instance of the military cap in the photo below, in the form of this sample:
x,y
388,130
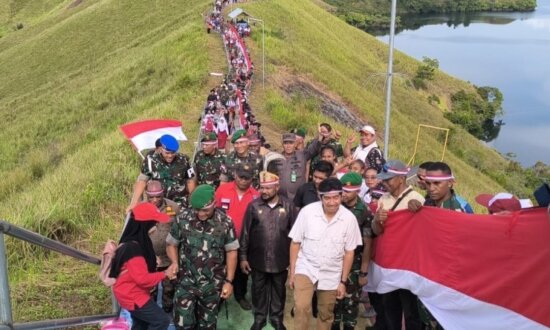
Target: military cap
x,y
209,138
301,132
169,143
268,179
351,181
202,196
244,170
289,137
239,136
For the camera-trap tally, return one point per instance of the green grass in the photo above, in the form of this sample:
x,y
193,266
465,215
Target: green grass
x,y
73,74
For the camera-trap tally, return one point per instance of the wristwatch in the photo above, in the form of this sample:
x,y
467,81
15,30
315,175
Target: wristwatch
x,y
363,274
343,282
228,281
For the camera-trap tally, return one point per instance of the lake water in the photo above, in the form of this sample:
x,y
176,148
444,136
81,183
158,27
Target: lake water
x,y
510,51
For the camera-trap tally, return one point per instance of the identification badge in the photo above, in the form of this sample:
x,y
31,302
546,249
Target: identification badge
x,y
293,176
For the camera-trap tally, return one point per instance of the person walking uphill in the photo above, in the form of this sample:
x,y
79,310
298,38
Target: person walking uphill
x,y
264,251
171,168
324,238
202,248
134,267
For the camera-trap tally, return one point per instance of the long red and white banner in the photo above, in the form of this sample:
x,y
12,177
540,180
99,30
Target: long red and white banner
x,y
242,47
471,271
143,134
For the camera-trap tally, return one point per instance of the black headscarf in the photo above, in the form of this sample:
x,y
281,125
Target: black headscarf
x,y
135,242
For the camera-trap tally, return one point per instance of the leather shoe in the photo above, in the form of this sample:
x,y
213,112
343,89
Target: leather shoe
x,y
278,325
335,326
244,304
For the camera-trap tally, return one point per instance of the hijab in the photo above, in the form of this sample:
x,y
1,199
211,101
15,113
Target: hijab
x,y
135,242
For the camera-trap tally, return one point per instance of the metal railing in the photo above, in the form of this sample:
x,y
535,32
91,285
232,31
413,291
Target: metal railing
x,y
6,318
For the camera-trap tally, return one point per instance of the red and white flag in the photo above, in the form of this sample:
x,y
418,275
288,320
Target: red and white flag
x,y
471,271
143,134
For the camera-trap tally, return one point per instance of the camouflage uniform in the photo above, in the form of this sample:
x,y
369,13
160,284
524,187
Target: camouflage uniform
x,y
202,246
173,176
209,168
347,309
253,159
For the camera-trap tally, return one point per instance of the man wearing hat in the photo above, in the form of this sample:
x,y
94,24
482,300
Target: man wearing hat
x,y
154,193
202,248
209,163
292,172
234,198
324,238
264,251
347,309
241,155
399,302
501,203
367,150
171,168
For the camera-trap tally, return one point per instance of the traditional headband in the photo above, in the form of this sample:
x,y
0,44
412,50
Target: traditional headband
x,y
209,142
446,177
269,183
154,192
351,188
330,192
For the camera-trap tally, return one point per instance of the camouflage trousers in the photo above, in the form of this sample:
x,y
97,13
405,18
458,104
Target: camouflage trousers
x,y
427,318
196,306
168,288
347,309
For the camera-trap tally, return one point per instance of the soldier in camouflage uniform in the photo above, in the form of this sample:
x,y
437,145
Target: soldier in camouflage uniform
x,y
346,310
202,247
242,154
172,169
209,163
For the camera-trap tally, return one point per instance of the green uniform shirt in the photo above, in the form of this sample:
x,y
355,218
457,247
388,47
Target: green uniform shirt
x,y
173,176
209,168
202,246
252,159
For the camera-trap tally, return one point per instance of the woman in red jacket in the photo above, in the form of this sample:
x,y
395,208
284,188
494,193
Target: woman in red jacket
x,y
134,267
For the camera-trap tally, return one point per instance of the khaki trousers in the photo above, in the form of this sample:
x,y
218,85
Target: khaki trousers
x,y
326,299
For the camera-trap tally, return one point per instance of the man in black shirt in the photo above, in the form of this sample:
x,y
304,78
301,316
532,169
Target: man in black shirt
x,y
307,193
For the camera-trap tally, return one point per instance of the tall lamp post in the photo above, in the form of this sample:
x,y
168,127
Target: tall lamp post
x,y
389,80
263,48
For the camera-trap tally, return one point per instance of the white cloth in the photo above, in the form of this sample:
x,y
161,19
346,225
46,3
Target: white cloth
x,y
362,152
364,193
323,243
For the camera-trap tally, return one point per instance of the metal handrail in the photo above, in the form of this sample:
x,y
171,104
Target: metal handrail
x,y
6,319
50,244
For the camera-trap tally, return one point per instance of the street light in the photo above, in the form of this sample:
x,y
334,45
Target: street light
x,y
263,48
389,81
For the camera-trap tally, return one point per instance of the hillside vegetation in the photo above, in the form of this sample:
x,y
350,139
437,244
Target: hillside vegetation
x,y
73,71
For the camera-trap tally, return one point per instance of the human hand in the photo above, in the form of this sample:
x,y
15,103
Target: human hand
x,y
381,215
245,267
351,139
227,290
173,270
337,135
414,205
340,291
291,281
363,280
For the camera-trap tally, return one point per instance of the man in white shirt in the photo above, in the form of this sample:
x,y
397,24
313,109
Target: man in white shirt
x,y
324,238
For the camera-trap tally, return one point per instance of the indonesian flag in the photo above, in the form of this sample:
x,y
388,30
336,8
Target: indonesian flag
x,y
471,271
143,134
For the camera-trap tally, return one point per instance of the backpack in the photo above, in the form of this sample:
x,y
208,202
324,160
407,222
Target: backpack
x,y
106,260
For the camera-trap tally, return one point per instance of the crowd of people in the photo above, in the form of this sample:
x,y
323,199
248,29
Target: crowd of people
x,y
237,212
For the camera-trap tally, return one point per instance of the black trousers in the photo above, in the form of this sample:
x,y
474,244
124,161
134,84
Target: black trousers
x,y
149,317
376,302
240,283
398,303
268,297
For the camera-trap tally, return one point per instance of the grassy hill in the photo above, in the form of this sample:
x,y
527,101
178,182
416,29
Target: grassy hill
x,y
73,71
